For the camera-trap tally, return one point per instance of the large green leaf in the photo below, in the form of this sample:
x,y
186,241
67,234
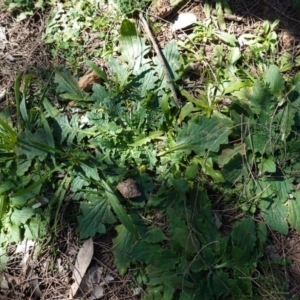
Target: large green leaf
x,y
122,245
68,84
21,216
118,209
243,234
243,237
28,144
95,213
173,62
202,134
274,80
90,170
132,46
275,214
150,234
263,102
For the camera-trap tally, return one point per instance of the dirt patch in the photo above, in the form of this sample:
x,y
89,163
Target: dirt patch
x,y
49,274
21,47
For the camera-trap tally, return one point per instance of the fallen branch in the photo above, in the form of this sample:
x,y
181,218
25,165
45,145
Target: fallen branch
x,y
159,55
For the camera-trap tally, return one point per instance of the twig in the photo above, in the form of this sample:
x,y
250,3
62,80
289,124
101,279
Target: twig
x,y
163,64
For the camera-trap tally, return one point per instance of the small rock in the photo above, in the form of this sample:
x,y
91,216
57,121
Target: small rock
x,y
86,82
128,188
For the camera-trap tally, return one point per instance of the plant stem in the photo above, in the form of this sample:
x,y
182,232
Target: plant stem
x,y
160,57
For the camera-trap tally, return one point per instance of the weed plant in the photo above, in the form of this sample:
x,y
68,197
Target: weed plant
x,y
129,127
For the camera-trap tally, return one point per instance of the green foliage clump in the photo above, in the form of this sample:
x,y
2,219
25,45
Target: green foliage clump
x,y
128,7
129,127
26,7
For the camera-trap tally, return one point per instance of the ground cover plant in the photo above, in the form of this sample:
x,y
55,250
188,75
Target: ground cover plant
x,y
237,135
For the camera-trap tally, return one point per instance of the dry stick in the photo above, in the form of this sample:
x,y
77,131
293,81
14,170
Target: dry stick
x,y
157,50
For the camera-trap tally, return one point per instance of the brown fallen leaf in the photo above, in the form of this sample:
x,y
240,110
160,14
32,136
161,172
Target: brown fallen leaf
x,y
128,188
83,261
86,82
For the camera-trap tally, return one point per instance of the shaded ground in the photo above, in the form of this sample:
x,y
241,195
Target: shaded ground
x,y
21,49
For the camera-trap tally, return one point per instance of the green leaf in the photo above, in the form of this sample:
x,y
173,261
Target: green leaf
x,y
294,209
34,229
263,102
227,38
65,129
90,170
234,56
154,235
171,280
132,47
144,252
243,237
146,80
3,206
32,187
95,214
275,214
14,233
262,232
237,85
51,110
191,171
187,240
28,144
18,99
220,284
23,111
185,111
208,169
173,61
6,186
261,142
118,209
149,234
267,165
235,169
97,70
68,84
282,187
142,140
21,216
202,134
228,153
274,80
286,119
3,256
122,245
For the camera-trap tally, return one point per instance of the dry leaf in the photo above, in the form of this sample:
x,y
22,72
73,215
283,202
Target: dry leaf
x,y
184,20
92,277
98,292
24,247
86,82
128,188
83,261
